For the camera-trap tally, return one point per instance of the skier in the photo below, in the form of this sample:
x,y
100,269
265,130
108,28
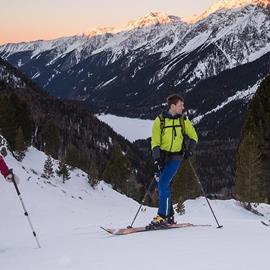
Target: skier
x,y
5,171
168,149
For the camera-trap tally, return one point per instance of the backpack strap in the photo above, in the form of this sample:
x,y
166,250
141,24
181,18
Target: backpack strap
x,y
182,119
162,122
182,124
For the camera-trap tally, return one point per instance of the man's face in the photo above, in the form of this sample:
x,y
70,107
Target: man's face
x,y
178,108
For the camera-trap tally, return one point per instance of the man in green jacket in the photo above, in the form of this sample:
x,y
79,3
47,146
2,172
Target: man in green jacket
x,y
168,148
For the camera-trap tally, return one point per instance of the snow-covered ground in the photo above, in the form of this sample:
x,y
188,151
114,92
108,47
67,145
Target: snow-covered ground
x,y
131,128
67,217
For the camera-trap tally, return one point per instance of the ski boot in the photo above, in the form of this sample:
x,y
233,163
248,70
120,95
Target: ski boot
x,y
157,223
171,221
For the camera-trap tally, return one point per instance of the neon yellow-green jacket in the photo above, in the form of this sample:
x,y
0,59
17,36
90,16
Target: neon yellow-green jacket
x,y
171,139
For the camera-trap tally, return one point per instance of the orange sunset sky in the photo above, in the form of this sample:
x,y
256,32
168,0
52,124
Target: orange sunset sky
x,y
46,19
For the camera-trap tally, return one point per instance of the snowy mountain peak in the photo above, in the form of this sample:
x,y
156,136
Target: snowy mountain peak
x,y
99,31
228,4
152,18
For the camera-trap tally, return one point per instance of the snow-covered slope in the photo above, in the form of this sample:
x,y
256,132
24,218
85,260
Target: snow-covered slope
x,y
67,217
131,128
153,18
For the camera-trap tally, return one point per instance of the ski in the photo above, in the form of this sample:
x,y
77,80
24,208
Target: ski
x,y
265,223
124,231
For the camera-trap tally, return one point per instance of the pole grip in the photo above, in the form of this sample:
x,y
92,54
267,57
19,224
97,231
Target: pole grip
x,y
14,182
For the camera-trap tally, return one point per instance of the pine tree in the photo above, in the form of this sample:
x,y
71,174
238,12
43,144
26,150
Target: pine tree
x,y
63,171
185,184
15,113
93,176
117,170
51,137
180,208
8,124
255,137
82,160
48,168
72,156
249,170
20,144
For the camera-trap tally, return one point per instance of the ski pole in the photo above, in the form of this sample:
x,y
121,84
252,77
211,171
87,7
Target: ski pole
x,y
200,184
25,212
143,200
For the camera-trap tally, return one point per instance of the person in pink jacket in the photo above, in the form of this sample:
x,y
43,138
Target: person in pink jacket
x,y
4,169
6,172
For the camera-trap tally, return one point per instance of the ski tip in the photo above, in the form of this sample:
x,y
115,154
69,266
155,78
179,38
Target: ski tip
x,y
104,229
110,231
265,224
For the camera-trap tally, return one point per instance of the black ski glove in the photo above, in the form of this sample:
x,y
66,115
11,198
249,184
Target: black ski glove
x,y
187,154
158,166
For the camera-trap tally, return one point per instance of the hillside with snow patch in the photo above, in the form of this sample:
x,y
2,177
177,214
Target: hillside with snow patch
x,y
67,217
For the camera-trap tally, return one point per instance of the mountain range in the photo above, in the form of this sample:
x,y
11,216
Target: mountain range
x,y
130,69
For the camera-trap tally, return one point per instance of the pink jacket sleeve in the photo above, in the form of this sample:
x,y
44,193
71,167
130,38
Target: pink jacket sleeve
x,y
3,167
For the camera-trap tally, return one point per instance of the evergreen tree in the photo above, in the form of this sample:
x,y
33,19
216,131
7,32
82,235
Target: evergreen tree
x,y
82,160
185,184
255,137
8,124
48,168
72,156
20,144
23,117
249,170
63,171
180,208
117,170
93,175
15,113
51,137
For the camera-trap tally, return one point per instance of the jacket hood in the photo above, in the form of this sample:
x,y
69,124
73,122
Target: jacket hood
x,y
168,115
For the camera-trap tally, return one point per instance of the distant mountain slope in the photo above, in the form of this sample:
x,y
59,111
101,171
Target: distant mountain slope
x,y
80,133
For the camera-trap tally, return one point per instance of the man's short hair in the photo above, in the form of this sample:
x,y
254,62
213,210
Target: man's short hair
x,y
173,99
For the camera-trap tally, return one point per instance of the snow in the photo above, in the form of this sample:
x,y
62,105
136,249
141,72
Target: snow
x,y
228,5
37,74
152,18
11,79
257,54
196,42
48,81
131,128
70,237
106,83
244,94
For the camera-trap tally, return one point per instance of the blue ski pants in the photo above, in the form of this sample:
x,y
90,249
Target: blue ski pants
x,y
164,187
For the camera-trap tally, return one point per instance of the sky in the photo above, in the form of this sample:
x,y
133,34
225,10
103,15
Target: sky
x,y
47,19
